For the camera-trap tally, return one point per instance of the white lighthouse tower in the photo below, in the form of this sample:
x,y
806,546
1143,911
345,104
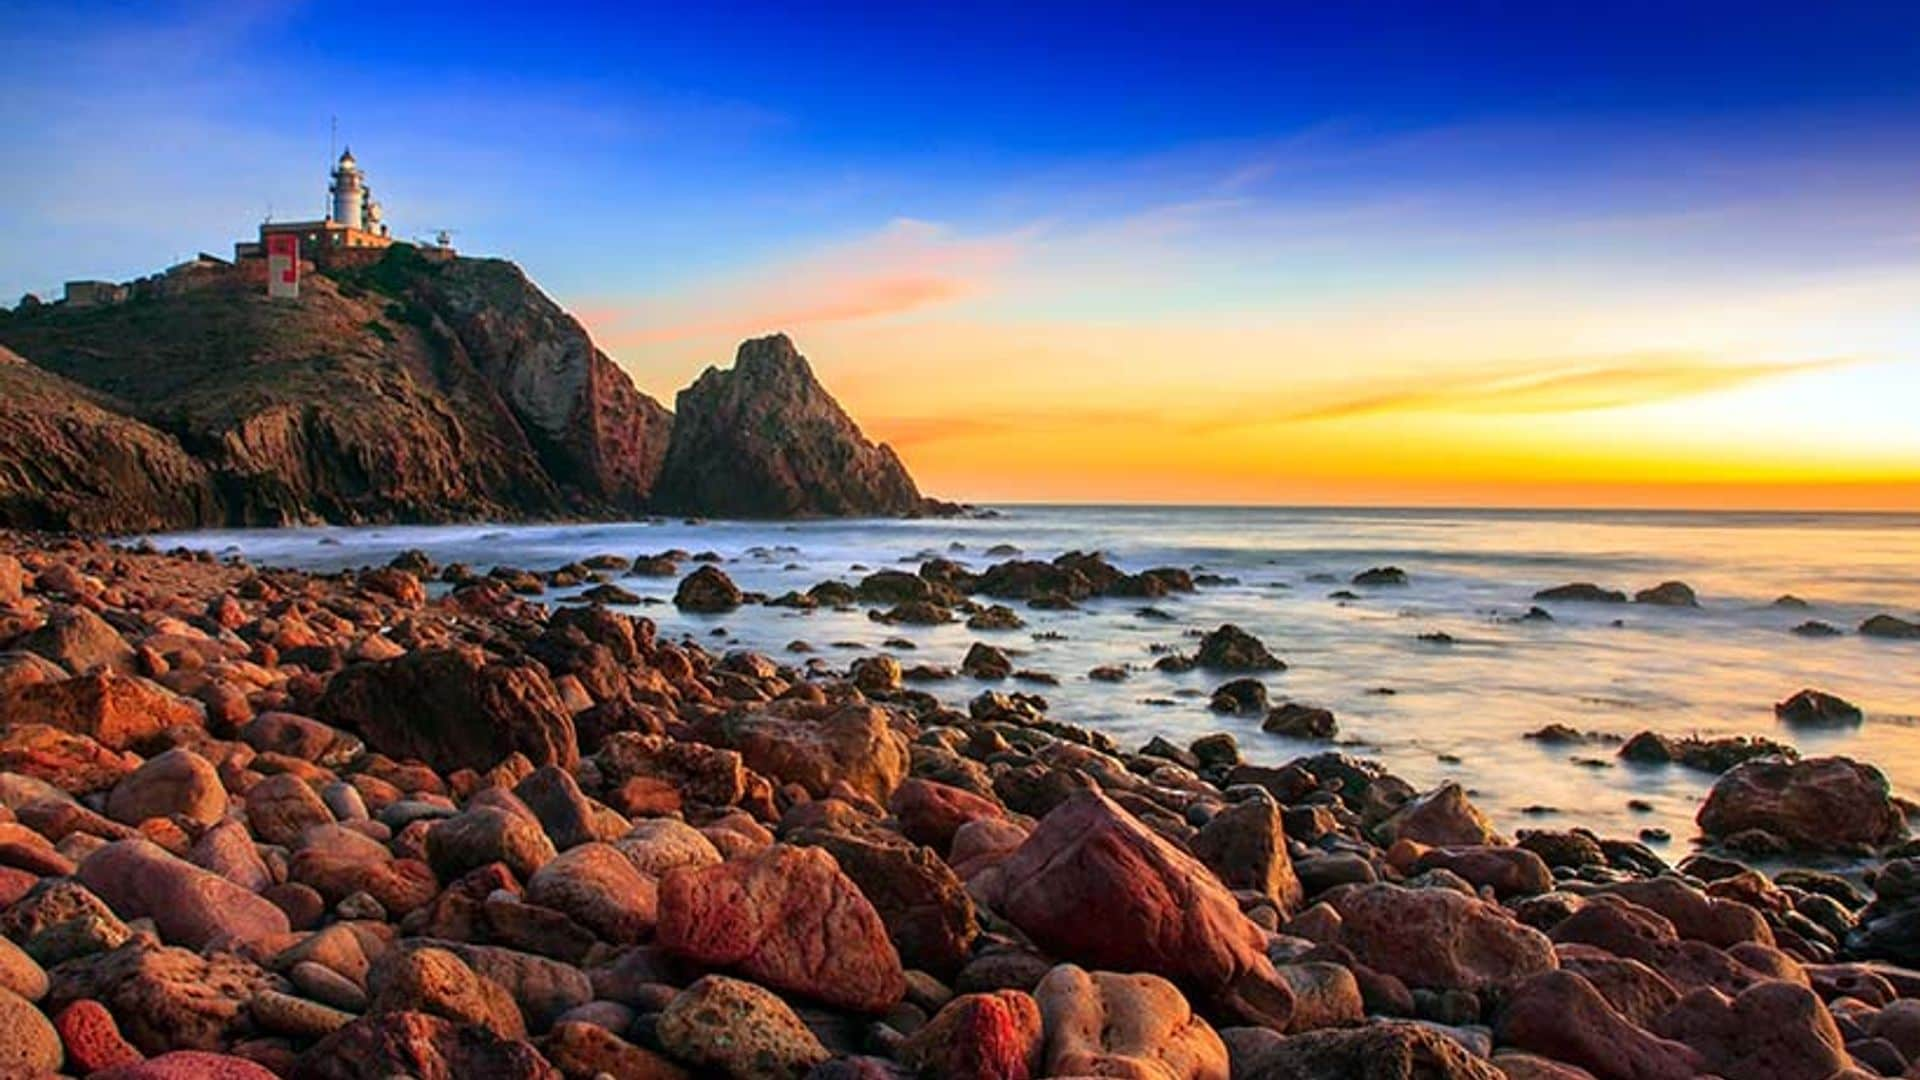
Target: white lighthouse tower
x,y
349,192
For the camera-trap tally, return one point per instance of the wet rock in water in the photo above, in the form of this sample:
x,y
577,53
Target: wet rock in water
x,y
1111,1024
1816,708
1816,629
1437,938
1581,592
738,1029
990,1035
1890,626
1297,721
453,708
1162,910
983,661
707,591
1381,575
995,617
1558,734
1668,594
788,918
1708,753
1240,696
1790,602
1230,648
1108,673
1820,804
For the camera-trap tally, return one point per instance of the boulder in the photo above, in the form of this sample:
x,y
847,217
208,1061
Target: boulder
x,y
165,998
75,764
1560,1015
788,918
1246,847
1819,804
189,906
596,886
338,861
437,982
1816,708
281,808
927,912
817,747
931,813
1890,626
707,591
385,1044
79,641
1581,592
584,1051
29,1045
176,782
454,709
1442,817
1161,910
487,834
1772,1031
1390,1050
993,1036
120,712
737,1029
1230,648
1438,939
1108,1024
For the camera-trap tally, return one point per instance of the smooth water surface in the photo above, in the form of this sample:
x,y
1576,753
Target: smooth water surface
x,y
1456,710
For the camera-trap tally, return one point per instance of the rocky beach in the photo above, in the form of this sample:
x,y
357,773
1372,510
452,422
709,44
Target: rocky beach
x,y
414,819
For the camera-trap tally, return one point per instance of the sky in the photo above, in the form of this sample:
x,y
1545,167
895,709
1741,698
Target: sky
x,y
1540,254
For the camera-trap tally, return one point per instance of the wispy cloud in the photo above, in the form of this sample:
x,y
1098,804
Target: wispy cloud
x,y
907,266
1556,386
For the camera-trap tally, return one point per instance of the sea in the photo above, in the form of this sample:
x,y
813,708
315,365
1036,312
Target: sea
x,y
1430,708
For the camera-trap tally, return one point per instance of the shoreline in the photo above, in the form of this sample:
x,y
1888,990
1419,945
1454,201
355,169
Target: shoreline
x,y
637,852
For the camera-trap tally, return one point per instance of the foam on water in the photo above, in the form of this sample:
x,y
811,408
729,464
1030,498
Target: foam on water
x,y
1457,710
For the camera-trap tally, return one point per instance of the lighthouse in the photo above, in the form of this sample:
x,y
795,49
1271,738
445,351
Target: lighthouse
x,y
349,192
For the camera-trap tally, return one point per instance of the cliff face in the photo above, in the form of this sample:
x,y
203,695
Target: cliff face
x,y
765,439
67,462
414,390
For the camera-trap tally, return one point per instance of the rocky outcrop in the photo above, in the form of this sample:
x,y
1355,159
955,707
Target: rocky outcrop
x,y
69,461
765,439
412,389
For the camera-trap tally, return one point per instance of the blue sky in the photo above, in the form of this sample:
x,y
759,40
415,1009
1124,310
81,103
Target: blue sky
x,y
1297,202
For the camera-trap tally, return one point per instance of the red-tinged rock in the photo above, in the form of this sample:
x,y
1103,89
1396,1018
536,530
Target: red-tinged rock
x,y
22,669
1694,914
165,998
926,909
787,918
92,1038
227,850
699,772
73,763
1442,817
176,782
81,642
1246,846
1819,804
930,812
585,1051
29,1045
1160,909
120,712
1438,939
1508,871
337,862
189,1065
189,906
453,708
421,1046
437,982
14,884
282,808
1390,1050
1560,1015
23,849
596,886
301,737
488,834
1772,1031
1629,930
817,747
995,1036
1635,990
1107,1024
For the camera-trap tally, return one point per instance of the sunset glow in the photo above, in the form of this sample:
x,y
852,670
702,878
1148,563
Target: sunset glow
x,y
1049,260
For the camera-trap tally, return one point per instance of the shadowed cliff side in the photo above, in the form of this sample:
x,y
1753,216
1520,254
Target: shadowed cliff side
x,y
765,439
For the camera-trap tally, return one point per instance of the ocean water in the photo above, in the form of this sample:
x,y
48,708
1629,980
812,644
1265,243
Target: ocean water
x,y
1456,711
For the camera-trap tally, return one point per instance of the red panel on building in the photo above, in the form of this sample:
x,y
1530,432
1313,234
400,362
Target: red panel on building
x,y
283,265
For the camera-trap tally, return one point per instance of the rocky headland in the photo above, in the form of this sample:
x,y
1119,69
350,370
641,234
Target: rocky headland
x,y
413,389
406,821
